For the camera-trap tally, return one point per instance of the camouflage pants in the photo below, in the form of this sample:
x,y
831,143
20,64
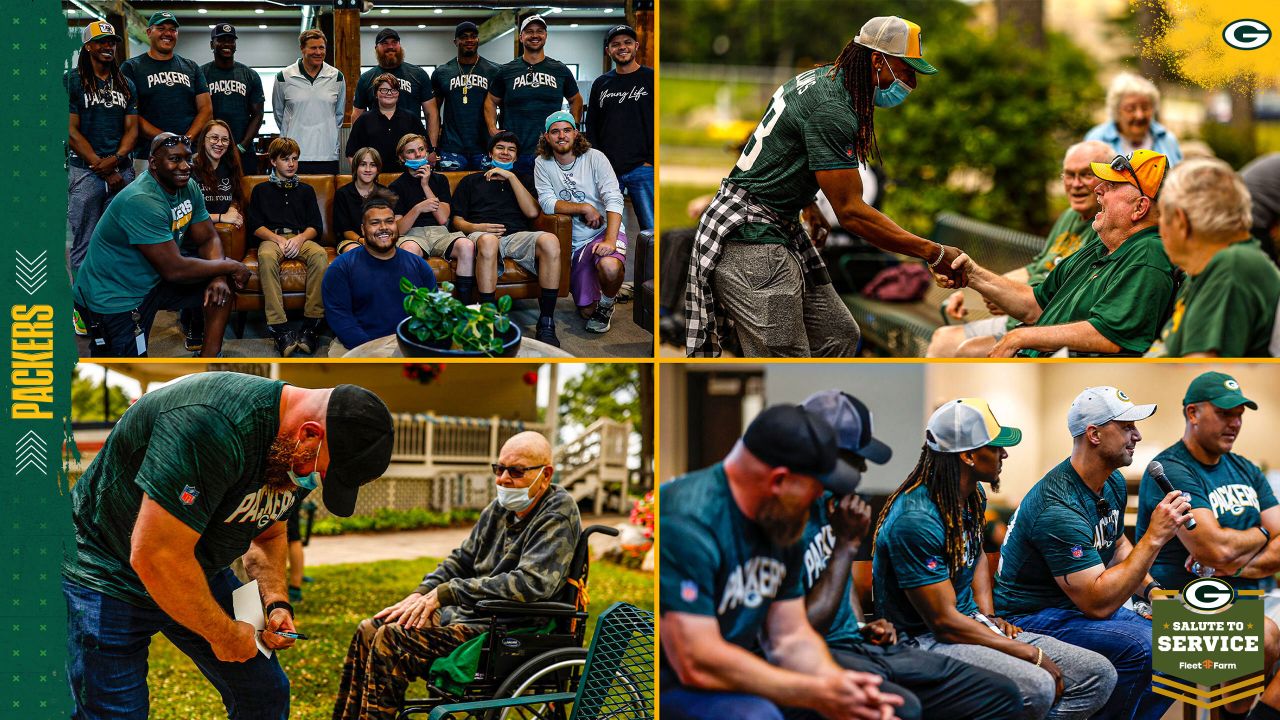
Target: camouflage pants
x,y
383,660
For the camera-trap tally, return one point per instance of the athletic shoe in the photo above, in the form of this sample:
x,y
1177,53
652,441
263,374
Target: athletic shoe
x,y
286,342
307,339
599,320
78,323
546,332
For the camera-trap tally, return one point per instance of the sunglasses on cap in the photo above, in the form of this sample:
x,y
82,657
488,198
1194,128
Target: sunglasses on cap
x,y
174,140
1121,164
512,471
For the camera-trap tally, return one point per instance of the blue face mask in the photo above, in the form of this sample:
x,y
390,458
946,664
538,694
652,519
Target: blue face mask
x,y
504,165
897,92
306,482
415,164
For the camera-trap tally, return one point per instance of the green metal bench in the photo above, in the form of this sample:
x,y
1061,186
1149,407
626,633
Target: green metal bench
x,y
904,329
617,681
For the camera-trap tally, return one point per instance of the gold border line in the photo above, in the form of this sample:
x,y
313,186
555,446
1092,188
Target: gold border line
x,y
1195,689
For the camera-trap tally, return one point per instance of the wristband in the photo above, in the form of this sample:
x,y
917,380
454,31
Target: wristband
x,y
1146,591
240,148
942,252
279,604
1265,534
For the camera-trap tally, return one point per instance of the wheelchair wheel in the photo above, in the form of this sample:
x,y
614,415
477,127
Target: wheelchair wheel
x,y
559,671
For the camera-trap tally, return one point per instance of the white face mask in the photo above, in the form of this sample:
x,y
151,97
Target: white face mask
x,y
517,499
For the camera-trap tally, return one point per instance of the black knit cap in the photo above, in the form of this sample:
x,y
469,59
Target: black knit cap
x,y
358,426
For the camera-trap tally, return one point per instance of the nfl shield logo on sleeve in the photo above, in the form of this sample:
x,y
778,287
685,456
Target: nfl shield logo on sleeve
x,y
1077,552
688,591
188,495
933,562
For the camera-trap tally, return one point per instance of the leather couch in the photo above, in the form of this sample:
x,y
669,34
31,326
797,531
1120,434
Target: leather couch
x,y
513,281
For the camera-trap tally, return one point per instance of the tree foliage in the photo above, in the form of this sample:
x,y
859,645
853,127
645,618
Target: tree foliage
x,y
609,390
87,404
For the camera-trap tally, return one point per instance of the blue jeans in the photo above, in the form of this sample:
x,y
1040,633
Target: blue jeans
x,y
639,186
681,703
107,642
1124,639
451,161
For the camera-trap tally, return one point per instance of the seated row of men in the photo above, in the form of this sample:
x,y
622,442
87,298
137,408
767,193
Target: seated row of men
x,y
156,246
1140,263
759,608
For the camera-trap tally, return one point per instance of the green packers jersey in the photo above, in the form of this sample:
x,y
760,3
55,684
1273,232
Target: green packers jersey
x,y
809,126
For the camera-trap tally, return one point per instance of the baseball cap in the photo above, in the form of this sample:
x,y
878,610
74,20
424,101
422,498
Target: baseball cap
x,y
559,116
532,19
617,30
465,26
792,437
852,422
1148,165
967,424
1100,405
358,425
1218,388
386,33
163,16
97,30
894,36
222,30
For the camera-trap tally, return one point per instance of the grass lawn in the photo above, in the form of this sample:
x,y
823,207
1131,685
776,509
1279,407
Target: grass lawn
x,y
341,596
673,201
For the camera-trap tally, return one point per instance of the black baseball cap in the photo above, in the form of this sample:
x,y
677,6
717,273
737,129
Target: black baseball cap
x,y
358,426
222,30
619,30
792,437
851,420
385,33
464,27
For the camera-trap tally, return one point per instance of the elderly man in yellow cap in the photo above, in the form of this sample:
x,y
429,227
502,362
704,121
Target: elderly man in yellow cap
x,y
1112,296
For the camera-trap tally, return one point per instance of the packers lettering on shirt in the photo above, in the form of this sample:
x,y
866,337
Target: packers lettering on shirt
x,y
228,87
181,216
1233,500
168,78
263,507
534,80
105,98
816,555
751,583
476,80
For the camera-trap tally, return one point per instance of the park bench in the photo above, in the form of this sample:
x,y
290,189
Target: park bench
x,y
904,329
617,681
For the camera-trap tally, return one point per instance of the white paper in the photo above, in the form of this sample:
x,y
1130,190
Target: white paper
x,y
248,608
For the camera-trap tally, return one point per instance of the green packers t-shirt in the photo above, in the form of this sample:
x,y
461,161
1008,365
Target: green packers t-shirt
x,y
115,276
819,540
529,93
198,448
717,563
1058,529
232,92
808,126
415,88
460,91
1234,489
1228,309
167,92
102,113
1123,294
1069,232
910,553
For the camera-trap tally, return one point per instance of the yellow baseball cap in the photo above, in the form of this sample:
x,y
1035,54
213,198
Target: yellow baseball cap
x,y
894,36
97,30
1148,166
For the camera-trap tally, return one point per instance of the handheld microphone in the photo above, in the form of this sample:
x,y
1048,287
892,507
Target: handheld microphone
x,y
1156,471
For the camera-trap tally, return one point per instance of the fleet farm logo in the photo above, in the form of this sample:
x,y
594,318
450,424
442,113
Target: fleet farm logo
x,y
1207,642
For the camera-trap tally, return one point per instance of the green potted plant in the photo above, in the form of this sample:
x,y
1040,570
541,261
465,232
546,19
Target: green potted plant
x,y
439,325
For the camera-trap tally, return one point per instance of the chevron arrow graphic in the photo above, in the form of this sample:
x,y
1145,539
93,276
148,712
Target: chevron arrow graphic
x,y
32,273
31,451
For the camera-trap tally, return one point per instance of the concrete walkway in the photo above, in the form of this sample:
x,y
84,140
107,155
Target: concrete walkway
x,y
412,544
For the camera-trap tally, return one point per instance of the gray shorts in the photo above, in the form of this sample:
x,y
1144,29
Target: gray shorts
x,y
435,240
995,326
519,247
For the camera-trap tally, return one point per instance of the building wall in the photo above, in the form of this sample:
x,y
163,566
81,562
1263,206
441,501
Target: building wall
x,y
469,390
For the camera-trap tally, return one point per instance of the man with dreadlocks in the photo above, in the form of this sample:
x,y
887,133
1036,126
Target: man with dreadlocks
x,y
931,577
753,270
1066,568
103,129
931,684
731,579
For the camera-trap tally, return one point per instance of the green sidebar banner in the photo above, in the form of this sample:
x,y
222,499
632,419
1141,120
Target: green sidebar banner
x,y
35,515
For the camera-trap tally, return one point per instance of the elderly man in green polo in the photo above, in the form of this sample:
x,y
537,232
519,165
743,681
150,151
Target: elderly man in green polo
x,y
1113,294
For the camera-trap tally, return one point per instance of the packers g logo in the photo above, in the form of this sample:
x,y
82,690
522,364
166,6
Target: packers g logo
x,y
1231,384
1120,394
1246,34
1208,595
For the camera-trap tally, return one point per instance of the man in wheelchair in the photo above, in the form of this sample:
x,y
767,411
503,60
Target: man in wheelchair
x,y
520,550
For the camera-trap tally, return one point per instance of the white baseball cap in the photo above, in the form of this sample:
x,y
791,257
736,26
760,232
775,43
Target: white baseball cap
x,y
1102,404
967,424
894,36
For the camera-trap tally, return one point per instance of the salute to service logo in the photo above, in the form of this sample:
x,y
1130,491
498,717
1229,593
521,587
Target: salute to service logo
x,y
1207,635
